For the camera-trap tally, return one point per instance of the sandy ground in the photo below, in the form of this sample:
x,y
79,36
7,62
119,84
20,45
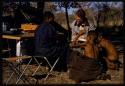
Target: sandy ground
x,y
62,77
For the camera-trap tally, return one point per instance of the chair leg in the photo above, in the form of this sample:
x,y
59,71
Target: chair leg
x,y
51,66
15,70
23,71
9,78
51,69
36,70
37,67
48,62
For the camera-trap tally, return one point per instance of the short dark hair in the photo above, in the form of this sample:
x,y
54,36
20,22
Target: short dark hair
x,y
94,34
47,15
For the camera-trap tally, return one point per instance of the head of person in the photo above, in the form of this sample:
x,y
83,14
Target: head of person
x,y
48,16
92,37
80,14
80,17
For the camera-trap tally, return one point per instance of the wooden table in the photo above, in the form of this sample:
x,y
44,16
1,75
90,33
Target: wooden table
x,y
18,38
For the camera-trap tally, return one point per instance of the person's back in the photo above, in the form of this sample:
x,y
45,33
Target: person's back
x,y
45,36
62,33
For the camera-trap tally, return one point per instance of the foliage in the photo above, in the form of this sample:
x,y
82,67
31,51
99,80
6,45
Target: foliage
x,y
106,15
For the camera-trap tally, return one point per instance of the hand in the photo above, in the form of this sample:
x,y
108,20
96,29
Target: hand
x,y
73,44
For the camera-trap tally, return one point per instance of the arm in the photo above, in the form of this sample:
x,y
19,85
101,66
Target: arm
x,y
83,31
79,34
112,53
82,45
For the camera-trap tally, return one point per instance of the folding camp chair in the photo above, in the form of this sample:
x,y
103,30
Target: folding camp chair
x,y
15,67
39,63
50,65
39,66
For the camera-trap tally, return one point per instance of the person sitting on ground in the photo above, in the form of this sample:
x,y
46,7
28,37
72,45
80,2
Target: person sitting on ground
x,y
108,52
86,65
104,48
91,49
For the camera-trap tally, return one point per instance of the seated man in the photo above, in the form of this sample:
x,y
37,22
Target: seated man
x,y
48,43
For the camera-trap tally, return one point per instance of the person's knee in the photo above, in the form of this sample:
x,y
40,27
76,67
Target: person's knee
x,y
112,65
112,58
